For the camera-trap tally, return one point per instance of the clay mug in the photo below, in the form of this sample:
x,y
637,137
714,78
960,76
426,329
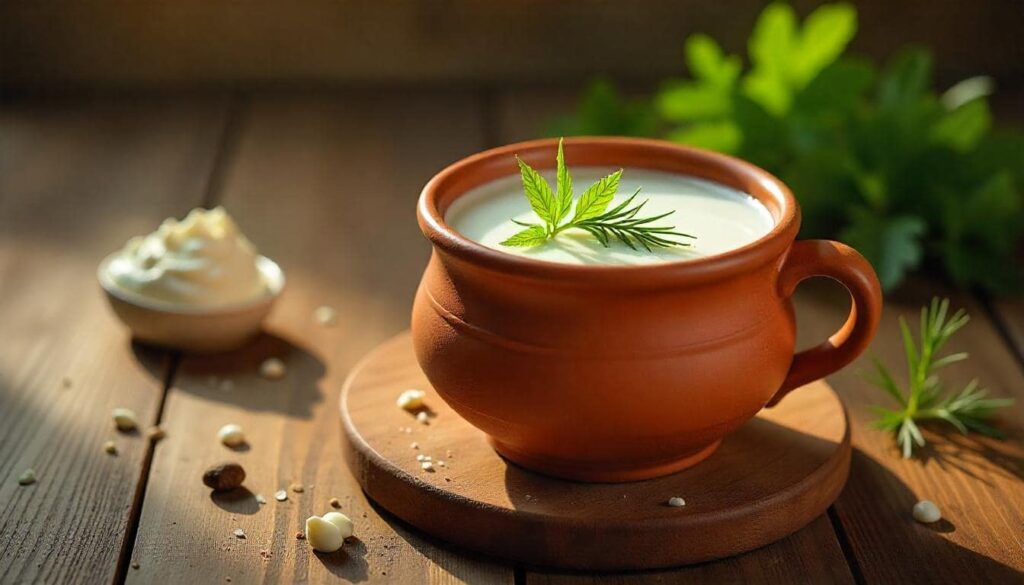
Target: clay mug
x,y
619,373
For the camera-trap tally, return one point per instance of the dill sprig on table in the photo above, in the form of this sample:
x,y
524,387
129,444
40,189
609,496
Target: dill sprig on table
x,y
925,400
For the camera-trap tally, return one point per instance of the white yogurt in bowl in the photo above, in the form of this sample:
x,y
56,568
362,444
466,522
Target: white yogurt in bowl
x,y
200,261
196,284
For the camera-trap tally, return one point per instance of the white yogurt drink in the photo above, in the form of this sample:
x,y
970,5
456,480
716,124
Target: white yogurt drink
x,y
721,218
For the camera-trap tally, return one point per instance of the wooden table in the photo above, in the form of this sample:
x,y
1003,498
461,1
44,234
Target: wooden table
x,y
325,183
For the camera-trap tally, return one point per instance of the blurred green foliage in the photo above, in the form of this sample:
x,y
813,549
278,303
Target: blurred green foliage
x,y
876,157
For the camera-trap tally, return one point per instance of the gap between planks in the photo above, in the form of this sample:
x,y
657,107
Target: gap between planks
x,y
227,144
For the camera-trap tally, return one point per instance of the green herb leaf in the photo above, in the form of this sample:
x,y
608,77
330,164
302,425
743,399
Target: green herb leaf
x,y
623,223
723,136
564,180
538,193
923,401
892,245
874,154
707,62
962,128
534,235
596,198
826,33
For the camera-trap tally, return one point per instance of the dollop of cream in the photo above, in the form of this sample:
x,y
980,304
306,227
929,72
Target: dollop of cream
x,y
202,260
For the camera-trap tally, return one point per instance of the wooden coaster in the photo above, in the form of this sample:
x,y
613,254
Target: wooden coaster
x,y
767,480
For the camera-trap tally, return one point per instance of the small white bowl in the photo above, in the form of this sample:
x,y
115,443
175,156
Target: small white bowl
x,y
192,329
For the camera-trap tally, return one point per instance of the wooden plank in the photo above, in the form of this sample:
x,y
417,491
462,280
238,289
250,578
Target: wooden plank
x,y
809,556
975,481
199,42
326,185
813,554
76,181
1010,313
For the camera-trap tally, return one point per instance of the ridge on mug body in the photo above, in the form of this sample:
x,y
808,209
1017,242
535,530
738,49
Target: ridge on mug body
x,y
620,373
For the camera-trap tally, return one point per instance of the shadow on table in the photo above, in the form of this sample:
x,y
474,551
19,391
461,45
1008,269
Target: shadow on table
x,y
233,377
973,455
348,562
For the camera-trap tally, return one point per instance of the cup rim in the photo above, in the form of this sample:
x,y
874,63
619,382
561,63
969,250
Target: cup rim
x,y
659,155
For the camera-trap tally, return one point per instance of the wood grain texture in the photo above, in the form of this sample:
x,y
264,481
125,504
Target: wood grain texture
x,y
326,186
1010,313
976,482
76,181
197,42
771,477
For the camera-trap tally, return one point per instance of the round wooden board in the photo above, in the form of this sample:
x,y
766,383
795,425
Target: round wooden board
x,y
767,480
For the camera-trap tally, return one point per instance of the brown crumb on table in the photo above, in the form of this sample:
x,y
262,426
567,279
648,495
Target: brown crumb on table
x,y
300,535
266,554
135,565
155,433
110,448
335,503
297,488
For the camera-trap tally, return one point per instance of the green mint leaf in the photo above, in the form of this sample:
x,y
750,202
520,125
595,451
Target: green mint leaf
x,y
707,62
723,136
962,128
892,245
538,193
534,235
774,38
826,33
684,101
905,80
564,186
771,48
836,90
596,198
603,112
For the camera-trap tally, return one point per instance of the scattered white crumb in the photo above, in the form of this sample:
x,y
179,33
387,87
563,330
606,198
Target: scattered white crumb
x,y
239,533
422,417
421,457
125,419
281,495
325,315
448,453
110,448
528,497
297,488
27,477
260,499
440,463
926,512
415,445
407,430
411,400
427,466
676,502
272,369
231,435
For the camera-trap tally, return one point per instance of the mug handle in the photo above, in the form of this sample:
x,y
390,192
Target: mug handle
x,y
809,258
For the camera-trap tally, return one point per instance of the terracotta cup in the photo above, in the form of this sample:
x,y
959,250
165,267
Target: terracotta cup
x,y
620,373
